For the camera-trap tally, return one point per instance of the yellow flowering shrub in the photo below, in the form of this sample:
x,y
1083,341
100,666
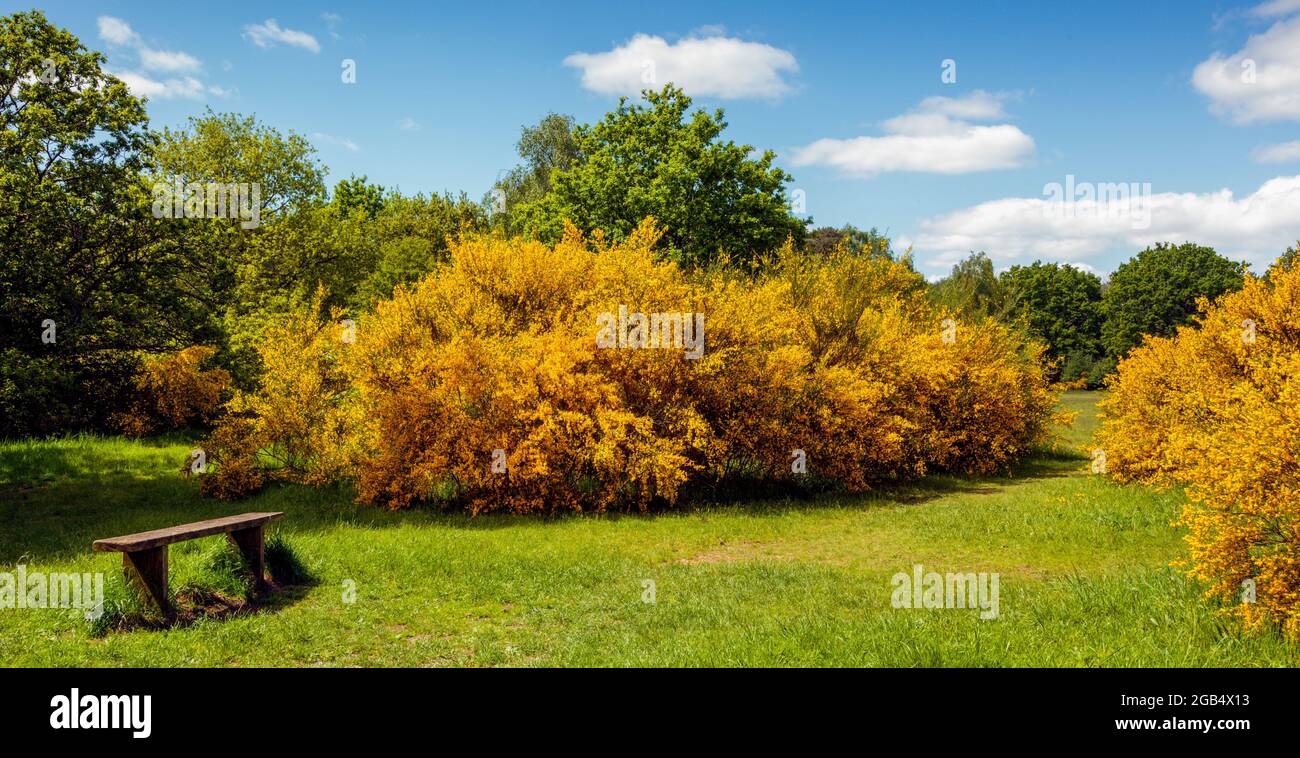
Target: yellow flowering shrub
x,y
1217,408
174,391
498,382
301,424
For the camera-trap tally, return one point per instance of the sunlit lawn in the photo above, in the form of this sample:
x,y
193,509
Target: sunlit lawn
x,y
1083,567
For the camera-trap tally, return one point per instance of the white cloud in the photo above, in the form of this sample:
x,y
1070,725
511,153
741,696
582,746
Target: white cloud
x,y
1261,81
115,31
342,142
269,33
142,85
976,106
163,60
1284,152
408,124
1257,227
718,66
332,20
935,137
1276,8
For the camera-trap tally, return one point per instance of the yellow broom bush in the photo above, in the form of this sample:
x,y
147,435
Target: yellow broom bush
x,y
173,391
1217,408
485,385
301,425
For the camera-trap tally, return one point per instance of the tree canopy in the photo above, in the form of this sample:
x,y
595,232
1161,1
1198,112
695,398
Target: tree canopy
x,y
1156,291
1061,305
660,160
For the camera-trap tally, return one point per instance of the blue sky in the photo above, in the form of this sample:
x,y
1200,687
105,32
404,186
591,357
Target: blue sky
x,y
1198,100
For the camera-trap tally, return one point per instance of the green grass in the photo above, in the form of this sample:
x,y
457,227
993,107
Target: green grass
x,y
1083,563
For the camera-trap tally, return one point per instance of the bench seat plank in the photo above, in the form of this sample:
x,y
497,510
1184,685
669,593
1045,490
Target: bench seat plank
x,y
158,537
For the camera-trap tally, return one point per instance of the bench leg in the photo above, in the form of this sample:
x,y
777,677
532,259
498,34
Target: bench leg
x,y
146,570
250,544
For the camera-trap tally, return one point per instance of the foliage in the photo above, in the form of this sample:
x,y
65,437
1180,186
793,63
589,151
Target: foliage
x,y
1216,407
546,147
175,391
410,237
357,194
242,276
86,280
483,385
1157,291
714,197
299,426
973,290
825,239
230,148
1062,306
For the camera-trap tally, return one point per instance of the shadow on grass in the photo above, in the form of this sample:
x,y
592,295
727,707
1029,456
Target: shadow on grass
x,y
29,464
193,605
58,521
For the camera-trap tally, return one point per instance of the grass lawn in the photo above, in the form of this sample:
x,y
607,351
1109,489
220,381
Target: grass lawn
x,y
1083,564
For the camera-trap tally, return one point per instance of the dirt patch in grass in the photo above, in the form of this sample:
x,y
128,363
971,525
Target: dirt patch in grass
x,y
746,550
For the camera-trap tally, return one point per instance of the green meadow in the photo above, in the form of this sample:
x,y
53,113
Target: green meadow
x,y
1083,564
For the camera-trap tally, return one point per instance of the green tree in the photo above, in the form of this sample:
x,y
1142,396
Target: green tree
x,y
411,236
1285,261
231,148
825,239
714,196
1156,291
355,193
1062,306
300,243
973,290
547,147
85,274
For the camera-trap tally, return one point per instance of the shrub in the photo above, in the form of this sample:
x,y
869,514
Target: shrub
x,y
1216,407
174,391
483,386
300,424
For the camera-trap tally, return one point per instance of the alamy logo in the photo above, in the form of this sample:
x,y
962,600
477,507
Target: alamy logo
x,y
683,331
77,711
1129,201
934,590
241,202
21,590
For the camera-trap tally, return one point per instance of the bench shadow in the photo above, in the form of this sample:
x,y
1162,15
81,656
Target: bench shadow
x,y
195,605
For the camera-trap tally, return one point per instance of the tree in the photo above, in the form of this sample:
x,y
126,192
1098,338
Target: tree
x,y
411,237
972,290
231,148
825,239
1156,291
247,273
714,196
85,275
355,193
1062,306
547,147
1285,262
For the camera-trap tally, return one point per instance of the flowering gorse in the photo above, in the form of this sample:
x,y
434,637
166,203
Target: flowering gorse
x,y
1216,408
485,386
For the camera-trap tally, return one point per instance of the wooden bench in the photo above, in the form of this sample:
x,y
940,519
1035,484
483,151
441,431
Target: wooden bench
x,y
144,555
